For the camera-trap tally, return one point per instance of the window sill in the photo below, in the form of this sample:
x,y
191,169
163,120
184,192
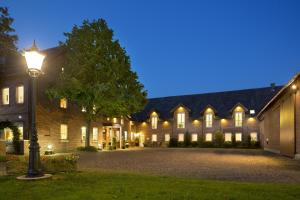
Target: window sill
x,y
64,140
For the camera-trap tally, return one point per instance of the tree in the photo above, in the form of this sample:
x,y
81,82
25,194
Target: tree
x,y
97,74
7,38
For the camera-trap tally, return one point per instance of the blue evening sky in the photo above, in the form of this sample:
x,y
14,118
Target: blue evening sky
x,y
181,47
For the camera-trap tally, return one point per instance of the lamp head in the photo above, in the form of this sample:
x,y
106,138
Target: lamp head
x,y
34,60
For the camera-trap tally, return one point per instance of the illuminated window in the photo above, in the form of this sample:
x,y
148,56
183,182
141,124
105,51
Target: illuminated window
x,y
5,96
114,120
194,137
8,134
83,109
253,136
154,138
122,121
63,132
167,137
125,135
19,125
180,120
180,137
95,134
63,103
83,133
208,120
228,137
238,119
238,137
208,137
154,122
20,94
252,112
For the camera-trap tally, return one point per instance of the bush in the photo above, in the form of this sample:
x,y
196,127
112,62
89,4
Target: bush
x,y
219,138
88,149
227,144
49,164
194,144
207,144
2,159
173,142
181,144
187,139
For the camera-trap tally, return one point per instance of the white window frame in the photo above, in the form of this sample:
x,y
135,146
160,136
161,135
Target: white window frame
x,y
83,133
167,137
208,137
181,120
20,94
95,134
5,96
154,138
20,126
238,137
238,119
228,137
254,136
63,131
194,137
180,137
154,120
208,120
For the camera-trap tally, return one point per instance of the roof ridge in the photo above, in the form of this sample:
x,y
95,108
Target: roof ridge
x,y
220,92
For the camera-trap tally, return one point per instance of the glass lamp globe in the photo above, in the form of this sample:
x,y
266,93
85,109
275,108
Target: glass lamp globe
x,y
34,60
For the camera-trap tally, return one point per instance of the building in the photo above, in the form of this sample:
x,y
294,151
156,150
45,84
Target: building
x,y
60,124
270,115
234,113
280,120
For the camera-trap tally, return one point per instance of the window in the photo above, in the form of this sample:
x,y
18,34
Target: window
x,y
83,109
83,133
154,138
208,120
114,120
63,132
19,125
95,134
8,134
238,119
63,103
167,137
5,96
253,136
122,121
154,122
238,137
252,112
125,135
180,120
194,137
180,137
228,137
20,94
208,137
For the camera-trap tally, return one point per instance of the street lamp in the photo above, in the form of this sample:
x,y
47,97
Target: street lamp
x,y
34,60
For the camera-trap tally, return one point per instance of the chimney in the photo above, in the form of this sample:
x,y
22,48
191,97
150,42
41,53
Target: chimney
x,y
273,85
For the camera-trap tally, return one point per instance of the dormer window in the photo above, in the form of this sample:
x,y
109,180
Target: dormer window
x,y
208,120
154,122
63,103
238,119
20,94
181,120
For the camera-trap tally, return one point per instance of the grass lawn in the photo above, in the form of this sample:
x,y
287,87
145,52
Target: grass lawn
x,y
104,185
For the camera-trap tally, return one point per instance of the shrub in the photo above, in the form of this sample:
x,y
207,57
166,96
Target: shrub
x,y
88,149
219,138
181,144
206,144
173,142
227,144
194,144
2,159
187,139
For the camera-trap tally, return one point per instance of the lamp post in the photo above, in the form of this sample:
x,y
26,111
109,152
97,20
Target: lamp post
x,y
34,60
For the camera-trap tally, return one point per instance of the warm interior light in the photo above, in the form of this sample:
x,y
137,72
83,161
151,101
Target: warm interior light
x,y
49,147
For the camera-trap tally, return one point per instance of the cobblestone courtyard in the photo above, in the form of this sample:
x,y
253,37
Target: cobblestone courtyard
x,y
218,164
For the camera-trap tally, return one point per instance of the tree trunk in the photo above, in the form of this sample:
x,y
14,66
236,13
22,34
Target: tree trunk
x,y
87,137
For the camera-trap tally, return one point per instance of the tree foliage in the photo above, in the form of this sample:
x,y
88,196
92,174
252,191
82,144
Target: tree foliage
x,y
97,74
7,37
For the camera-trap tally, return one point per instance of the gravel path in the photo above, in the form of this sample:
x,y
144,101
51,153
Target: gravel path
x,y
217,164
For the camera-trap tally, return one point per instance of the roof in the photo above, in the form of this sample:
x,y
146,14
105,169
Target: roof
x,y
222,102
275,97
